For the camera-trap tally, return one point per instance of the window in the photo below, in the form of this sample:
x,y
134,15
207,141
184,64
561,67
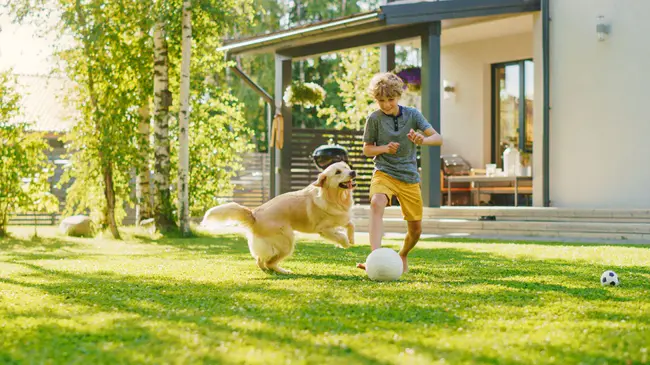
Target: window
x,y
512,118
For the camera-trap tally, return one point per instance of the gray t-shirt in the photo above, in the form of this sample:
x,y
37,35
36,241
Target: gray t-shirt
x,y
382,129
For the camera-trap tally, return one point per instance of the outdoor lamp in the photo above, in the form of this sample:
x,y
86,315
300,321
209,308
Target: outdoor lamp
x,y
449,89
602,28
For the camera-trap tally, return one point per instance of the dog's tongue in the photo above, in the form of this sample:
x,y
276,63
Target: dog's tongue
x,y
350,184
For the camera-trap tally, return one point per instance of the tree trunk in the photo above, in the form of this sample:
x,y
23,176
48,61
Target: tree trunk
x,y
107,165
184,117
163,210
3,221
109,193
143,209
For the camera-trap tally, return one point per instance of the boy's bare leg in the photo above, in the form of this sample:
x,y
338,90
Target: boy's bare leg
x,y
412,237
378,204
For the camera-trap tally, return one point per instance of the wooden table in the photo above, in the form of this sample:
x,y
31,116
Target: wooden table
x,y
478,179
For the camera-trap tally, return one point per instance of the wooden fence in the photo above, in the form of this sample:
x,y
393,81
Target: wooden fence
x,y
252,186
30,219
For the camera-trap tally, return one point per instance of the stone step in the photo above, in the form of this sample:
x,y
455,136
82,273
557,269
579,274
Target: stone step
x,y
522,214
626,232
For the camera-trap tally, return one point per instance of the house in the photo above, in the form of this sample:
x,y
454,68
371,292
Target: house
x,y
43,107
564,79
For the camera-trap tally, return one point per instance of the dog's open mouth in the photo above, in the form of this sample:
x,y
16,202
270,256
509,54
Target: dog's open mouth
x,y
348,184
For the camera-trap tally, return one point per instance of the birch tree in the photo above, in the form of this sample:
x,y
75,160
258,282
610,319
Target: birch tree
x,y
144,208
184,115
163,210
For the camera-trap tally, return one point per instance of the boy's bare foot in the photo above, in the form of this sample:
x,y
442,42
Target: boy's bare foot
x,y
361,266
406,264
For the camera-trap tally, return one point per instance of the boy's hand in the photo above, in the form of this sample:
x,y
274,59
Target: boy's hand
x,y
415,137
392,147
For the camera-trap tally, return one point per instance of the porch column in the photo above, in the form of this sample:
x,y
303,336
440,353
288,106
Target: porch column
x,y
282,156
387,53
431,86
387,57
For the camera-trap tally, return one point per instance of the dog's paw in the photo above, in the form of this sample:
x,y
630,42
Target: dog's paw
x,y
345,245
280,270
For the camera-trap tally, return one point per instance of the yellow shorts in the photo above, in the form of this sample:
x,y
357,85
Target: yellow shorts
x,y
408,195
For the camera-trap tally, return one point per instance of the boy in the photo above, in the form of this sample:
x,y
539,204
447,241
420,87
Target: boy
x,y
390,137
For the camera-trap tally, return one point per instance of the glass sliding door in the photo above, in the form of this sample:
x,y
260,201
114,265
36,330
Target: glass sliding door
x,y
512,106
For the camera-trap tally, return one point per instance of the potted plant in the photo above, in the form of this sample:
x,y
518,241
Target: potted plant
x,y
307,94
412,77
526,163
525,158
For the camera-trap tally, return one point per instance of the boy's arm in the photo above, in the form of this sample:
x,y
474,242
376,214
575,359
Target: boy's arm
x,y
370,147
432,138
371,150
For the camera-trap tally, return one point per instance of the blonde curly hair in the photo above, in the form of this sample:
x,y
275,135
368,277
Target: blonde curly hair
x,y
386,85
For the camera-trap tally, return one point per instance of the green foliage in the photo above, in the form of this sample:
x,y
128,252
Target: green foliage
x,y
307,94
106,66
274,15
218,138
218,132
358,67
111,64
86,193
24,167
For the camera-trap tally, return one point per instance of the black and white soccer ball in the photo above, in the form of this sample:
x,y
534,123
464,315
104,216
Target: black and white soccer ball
x,y
609,278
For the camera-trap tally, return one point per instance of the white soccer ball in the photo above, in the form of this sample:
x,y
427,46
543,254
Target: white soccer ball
x,y
384,264
609,278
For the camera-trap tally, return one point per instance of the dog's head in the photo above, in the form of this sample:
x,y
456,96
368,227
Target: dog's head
x,y
337,175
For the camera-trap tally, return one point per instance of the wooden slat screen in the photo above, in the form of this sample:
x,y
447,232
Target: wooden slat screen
x,y
252,186
303,171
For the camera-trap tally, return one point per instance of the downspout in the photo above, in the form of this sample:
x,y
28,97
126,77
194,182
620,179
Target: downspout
x,y
258,89
269,116
546,18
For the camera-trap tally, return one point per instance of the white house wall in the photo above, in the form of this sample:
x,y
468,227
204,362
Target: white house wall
x,y
538,113
466,118
599,119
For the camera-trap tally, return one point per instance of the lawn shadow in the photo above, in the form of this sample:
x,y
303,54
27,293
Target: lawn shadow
x,y
318,303
529,277
524,275
212,308
40,243
206,244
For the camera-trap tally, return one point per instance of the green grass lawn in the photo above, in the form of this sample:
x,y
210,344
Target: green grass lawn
x,y
203,300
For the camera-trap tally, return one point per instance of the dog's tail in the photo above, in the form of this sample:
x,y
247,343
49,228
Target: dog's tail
x,y
229,212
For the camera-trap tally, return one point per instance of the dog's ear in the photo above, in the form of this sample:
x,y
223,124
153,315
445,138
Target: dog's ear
x,y
321,180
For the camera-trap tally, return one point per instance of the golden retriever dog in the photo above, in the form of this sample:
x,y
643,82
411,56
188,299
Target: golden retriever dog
x,y
323,207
